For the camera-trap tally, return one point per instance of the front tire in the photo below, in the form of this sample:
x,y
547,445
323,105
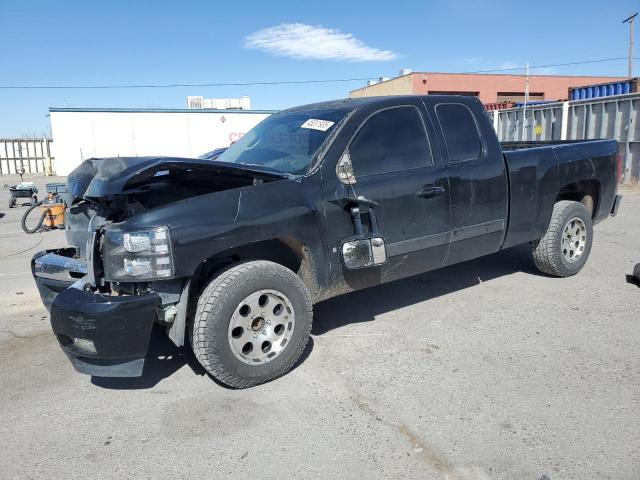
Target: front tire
x,y
565,248
252,323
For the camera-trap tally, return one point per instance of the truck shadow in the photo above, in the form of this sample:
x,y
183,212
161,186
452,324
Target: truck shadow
x,y
164,358
364,305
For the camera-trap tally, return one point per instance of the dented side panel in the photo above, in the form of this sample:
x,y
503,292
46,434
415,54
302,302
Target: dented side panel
x,y
204,226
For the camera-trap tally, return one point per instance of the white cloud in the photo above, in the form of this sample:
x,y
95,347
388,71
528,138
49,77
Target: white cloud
x,y
301,41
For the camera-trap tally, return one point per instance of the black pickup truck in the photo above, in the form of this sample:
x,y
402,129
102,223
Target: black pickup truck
x,y
231,254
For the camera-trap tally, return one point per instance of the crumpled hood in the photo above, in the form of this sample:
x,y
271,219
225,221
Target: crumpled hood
x,y
105,177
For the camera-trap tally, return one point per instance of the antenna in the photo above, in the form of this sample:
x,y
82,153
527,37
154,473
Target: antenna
x,y
630,20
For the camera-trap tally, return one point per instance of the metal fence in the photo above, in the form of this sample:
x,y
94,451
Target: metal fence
x,y
613,117
34,155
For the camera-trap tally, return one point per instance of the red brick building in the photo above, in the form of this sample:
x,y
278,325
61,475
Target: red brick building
x,y
490,88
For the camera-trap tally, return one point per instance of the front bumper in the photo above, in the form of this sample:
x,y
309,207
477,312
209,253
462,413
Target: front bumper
x,y
103,335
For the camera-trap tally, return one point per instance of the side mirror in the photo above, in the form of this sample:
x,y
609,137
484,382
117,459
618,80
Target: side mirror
x,y
364,252
344,170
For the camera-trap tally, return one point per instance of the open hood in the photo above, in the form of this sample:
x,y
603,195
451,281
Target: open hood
x,y
107,177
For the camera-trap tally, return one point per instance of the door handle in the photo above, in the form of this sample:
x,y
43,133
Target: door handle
x,y
430,191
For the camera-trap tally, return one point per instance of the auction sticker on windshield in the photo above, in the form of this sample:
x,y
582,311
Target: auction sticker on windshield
x,y
315,124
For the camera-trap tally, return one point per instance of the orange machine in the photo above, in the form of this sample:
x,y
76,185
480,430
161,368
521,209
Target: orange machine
x,y
54,210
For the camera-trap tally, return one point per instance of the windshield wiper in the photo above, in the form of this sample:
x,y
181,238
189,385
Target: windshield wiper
x,y
258,168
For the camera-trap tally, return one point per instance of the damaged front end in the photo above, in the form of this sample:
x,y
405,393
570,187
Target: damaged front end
x,y
103,333
117,278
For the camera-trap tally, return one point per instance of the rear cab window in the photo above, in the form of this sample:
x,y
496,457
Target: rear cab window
x,y
391,140
460,131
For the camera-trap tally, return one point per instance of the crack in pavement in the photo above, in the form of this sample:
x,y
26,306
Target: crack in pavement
x,y
421,448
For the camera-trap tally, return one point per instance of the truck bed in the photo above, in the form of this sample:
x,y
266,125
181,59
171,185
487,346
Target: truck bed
x,y
541,172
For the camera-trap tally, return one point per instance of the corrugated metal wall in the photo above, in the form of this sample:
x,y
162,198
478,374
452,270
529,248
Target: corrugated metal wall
x,y
34,155
607,117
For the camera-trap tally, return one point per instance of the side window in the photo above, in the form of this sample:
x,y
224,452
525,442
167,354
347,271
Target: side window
x,y
391,140
460,132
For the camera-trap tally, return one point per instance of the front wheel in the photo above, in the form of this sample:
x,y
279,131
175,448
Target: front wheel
x,y
252,323
564,249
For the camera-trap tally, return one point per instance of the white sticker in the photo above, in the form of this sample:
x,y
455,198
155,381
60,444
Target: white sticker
x,y
315,124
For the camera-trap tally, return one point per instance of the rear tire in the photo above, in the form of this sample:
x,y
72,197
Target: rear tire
x,y
565,248
252,323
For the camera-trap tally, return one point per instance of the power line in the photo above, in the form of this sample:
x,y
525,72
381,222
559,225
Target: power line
x,y
282,82
178,85
602,60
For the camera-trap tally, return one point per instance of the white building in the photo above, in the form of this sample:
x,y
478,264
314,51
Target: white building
x,y
82,133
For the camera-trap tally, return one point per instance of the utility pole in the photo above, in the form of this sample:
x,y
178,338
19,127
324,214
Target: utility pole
x,y
630,20
526,101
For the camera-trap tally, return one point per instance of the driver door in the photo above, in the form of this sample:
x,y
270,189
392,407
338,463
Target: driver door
x,y
394,168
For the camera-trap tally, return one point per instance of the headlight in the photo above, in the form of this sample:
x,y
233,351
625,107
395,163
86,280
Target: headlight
x,y
137,255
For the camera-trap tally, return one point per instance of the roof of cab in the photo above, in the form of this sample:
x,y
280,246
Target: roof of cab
x,y
354,103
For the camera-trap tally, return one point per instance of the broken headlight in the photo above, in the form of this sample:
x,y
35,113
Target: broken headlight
x,y
138,255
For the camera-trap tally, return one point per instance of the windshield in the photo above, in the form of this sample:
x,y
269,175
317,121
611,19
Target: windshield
x,y
286,142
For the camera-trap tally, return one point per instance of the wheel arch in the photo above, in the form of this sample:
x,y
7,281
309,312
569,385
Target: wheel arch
x,y
586,192
288,251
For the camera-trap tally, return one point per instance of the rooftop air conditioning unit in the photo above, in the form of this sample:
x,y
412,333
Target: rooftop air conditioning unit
x,y
201,103
195,102
245,102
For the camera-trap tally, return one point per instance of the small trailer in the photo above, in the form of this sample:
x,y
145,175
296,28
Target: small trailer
x,y
22,190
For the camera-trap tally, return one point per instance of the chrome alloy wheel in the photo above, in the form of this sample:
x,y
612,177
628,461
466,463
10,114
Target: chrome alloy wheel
x,y
261,326
574,239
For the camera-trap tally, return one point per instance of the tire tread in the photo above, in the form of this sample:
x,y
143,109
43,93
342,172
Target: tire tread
x,y
546,255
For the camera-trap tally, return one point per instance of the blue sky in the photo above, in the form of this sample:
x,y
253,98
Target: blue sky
x,y
144,42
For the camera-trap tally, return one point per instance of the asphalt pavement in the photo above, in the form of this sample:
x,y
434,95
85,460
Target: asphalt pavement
x,y
483,370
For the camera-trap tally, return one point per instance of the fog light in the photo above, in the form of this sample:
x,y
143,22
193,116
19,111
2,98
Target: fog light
x,y
85,346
